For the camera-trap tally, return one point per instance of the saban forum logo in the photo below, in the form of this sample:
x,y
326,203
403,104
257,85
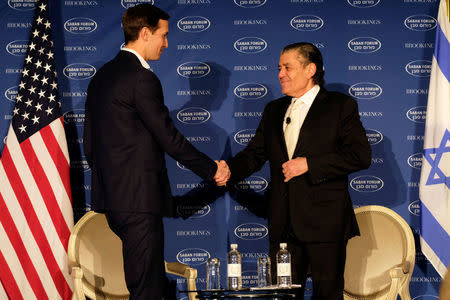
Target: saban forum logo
x,y
420,22
251,231
193,24
22,4
79,71
193,256
130,3
365,90
306,22
366,184
80,164
75,117
417,114
80,25
250,45
250,91
11,93
252,184
193,211
363,3
244,136
415,161
374,136
419,68
193,69
17,47
414,208
193,115
364,45
250,3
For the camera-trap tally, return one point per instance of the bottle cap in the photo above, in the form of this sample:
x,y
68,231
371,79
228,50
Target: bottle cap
x,y
283,245
233,246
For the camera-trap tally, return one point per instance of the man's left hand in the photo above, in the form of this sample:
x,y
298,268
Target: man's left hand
x,y
294,167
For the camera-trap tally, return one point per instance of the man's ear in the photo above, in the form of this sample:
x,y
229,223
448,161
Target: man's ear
x,y
311,69
144,33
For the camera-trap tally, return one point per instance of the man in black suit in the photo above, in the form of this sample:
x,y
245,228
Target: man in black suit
x,y
127,133
312,139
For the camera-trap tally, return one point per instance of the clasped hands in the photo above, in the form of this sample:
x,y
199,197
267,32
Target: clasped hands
x,y
223,173
294,167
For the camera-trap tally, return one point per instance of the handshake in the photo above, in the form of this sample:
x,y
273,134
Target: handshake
x,y
223,173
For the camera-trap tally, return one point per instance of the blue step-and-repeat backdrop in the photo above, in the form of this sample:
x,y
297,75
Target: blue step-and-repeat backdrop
x,y
219,72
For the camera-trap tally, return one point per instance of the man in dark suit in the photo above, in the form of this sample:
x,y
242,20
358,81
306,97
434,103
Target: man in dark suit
x,y
312,139
127,133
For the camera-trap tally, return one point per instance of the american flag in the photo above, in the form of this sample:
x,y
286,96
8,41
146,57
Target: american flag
x,y
35,200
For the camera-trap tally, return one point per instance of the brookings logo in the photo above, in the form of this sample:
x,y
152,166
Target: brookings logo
x,y
193,115
251,231
417,114
193,256
17,48
425,297
420,22
193,211
373,136
193,69
193,24
415,161
11,93
365,90
419,68
366,184
22,4
79,71
80,165
253,183
75,116
250,45
244,136
130,3
306,23
250,3
250,91
363,3
80,25
364,45
414,208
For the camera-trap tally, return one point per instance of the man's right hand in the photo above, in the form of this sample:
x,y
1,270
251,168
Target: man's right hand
x,y
223,173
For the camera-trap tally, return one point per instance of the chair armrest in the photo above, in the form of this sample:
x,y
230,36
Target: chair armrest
x,y
77,275
181,269
397,275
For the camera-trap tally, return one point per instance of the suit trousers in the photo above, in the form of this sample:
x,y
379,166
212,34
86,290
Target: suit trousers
x,y
325,263
142,236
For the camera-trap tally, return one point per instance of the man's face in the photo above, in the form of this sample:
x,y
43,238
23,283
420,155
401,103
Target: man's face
x,y
157,41
295,78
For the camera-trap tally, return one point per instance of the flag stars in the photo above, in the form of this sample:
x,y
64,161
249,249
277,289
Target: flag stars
x,y
29,102
35,120
28,59
50,54
21,85
19,98
44,80
41,51
54,85
22,128
41,94
39,20
32,89
47,25
32,46
44,37
47,67
35,77
38,64
25,115
25,72
38,107
49,111
35,33
42,7
51,98
16,111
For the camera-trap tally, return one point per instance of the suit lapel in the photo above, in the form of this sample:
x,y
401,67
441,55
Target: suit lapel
x,y
279,123
308,124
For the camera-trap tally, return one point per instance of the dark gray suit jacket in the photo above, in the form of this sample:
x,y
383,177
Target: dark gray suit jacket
x,y
126,135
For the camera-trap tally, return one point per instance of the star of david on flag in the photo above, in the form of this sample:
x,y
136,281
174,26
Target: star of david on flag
x,y
434,188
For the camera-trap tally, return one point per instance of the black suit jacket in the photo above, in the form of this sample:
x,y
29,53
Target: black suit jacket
x,y
315,206
126,134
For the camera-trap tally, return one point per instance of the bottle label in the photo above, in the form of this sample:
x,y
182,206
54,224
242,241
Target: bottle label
x,y
283,269
234,270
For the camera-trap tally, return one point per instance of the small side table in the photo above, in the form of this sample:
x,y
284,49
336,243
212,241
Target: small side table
x,y
249,293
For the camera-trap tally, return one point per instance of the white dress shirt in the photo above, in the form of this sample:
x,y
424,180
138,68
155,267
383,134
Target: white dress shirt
x,y
295,116
141,59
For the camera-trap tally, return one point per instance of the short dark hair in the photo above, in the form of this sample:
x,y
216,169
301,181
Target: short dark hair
x,y
137,17
312,55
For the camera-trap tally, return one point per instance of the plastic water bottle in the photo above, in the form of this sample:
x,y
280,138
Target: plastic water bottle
x,y
284,279
234,275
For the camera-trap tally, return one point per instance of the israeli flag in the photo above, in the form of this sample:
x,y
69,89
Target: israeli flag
x,y
435,176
